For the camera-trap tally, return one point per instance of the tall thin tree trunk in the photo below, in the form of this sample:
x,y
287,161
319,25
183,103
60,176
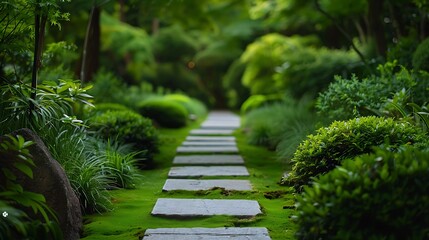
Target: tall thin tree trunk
x,y
91,46
39,34
376,29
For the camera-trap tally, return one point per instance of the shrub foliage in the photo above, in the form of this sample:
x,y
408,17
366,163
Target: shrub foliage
x,y
128,127
166,113
323,151
377,196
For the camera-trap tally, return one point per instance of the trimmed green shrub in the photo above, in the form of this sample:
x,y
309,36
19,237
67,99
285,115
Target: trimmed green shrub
x,y
323,151
377,196
166,113
193,106
127,127
421,56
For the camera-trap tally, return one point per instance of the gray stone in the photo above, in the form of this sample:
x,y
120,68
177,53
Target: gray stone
x,y
246,233
207,149
202,171
50,180
220,124
217,159
209,143
211,138
196,185
211,132
186,208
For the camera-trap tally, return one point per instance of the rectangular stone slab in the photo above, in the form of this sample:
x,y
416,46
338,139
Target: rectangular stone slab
x,y
218,159
226,125
187,208
211,132
208,143
207,149
197,185
245,233
203,171
211,138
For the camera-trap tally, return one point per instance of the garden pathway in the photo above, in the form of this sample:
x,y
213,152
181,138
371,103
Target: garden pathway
x,y
209,151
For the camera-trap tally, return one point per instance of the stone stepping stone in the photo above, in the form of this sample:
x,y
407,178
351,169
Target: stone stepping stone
x,y
207,171
186,208
233,233
209,143
207,149
209,159
211,138
197,185
211,132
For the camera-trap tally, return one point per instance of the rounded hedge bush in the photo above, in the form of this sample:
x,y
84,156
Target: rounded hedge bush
x,y
193,106
421,56
166,113
128,127
377,196
322,152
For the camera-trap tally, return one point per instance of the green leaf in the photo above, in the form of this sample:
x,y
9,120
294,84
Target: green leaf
x,y
24,168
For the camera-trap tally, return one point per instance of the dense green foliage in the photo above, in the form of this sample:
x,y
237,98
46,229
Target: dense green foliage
x,y
257,101
323,151
127,127
421,56
348,98
164,112
275,62
378,196
281,125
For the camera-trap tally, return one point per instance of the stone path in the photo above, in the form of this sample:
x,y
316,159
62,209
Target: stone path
x,y
209,151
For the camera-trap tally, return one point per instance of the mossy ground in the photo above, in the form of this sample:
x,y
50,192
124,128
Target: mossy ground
x,y
131,214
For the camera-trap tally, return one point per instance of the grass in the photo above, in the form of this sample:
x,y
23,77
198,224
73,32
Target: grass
x,y
131,214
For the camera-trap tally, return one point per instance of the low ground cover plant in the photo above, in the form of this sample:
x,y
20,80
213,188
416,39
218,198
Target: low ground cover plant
x,y
377,196
321,152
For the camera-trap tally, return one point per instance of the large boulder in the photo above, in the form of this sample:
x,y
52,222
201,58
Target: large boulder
x,y
50,180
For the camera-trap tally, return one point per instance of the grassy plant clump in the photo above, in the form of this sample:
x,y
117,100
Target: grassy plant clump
x,y
377,196
128,127
323,151
281,125
71,147
119,162
166,113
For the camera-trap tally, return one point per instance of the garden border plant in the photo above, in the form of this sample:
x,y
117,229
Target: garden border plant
x,y
377,196
329,146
